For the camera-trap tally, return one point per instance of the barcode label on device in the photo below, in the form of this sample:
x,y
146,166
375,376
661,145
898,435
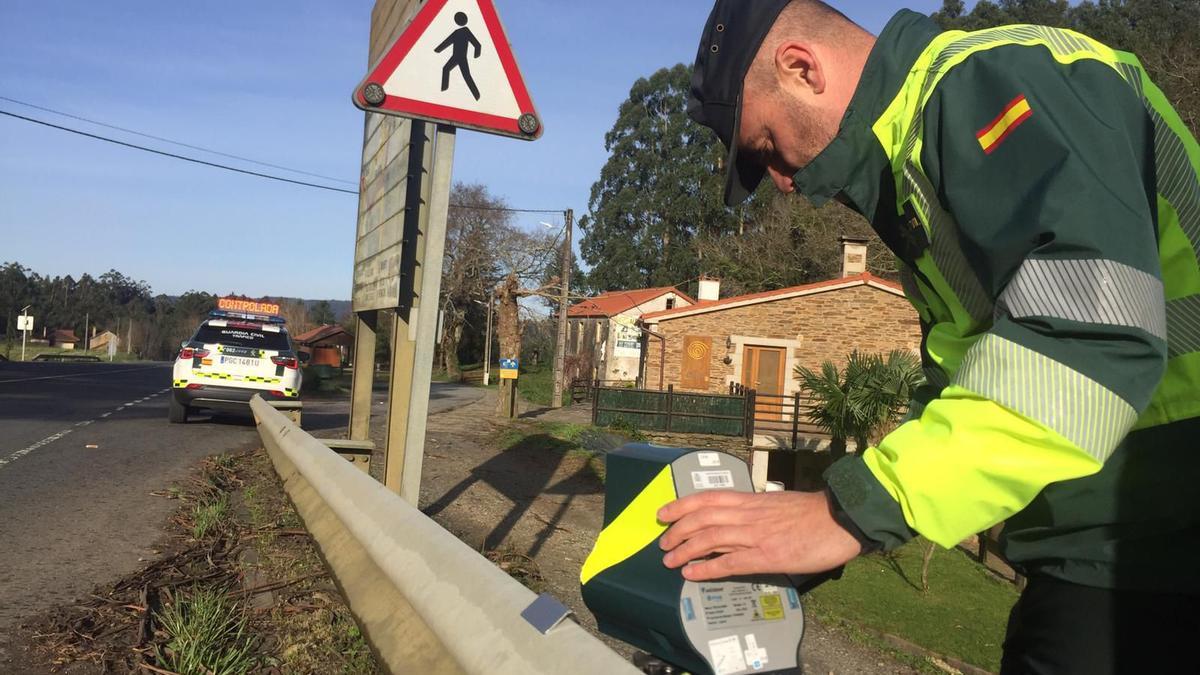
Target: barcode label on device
x,y
712,480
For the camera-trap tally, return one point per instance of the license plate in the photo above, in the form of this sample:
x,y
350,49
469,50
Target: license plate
x,y
239,361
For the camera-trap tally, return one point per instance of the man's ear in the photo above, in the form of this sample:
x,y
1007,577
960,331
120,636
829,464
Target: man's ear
x,y
799,70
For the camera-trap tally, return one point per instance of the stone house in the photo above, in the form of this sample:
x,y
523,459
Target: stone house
x,y
758,340
603,339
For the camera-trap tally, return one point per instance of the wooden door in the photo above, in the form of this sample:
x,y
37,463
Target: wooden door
x,y
763,371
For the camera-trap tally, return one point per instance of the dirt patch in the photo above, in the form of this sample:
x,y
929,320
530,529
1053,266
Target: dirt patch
x,y
237,582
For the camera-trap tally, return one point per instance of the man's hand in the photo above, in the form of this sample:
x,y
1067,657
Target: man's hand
x,y
754,533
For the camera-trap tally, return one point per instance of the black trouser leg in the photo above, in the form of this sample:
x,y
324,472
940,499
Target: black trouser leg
x,y
1059,628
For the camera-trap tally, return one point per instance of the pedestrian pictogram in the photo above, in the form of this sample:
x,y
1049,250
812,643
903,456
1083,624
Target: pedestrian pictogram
x,y
459,40
453,65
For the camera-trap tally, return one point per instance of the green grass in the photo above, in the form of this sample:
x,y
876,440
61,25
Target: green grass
x,y
208,517
963,615
208,634
536,384
14,354
563,437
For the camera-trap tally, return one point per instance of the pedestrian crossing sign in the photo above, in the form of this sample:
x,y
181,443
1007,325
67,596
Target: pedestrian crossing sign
x,y
453,64
509,369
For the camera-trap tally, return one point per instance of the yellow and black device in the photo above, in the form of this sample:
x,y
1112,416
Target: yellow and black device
x,y
725,627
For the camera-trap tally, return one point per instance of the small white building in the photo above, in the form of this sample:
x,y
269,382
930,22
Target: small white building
x,y
604,341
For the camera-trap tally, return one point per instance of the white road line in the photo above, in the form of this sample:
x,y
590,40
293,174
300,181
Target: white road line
x,y
105,415
25,451
87,374
84,423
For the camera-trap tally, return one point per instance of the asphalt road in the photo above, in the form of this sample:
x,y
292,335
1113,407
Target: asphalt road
x,y
82,446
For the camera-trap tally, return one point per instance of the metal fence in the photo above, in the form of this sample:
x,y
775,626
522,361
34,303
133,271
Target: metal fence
x,y
583,390
668,411
784,417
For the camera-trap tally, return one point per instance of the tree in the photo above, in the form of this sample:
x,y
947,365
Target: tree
x,y
660,188
656,216
856,402
475,228
321,314
785,241
1165,35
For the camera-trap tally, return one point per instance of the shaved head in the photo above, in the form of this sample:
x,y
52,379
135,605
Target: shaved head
x,y
799,86
810,21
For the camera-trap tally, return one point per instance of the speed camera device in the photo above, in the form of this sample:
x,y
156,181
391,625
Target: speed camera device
x,y
725,627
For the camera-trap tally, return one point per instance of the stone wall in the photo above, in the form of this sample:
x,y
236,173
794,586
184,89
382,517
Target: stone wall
x,y
812,328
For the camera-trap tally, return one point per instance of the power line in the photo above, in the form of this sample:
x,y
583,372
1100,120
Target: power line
x,y
504,208
173,142
175,156
234,168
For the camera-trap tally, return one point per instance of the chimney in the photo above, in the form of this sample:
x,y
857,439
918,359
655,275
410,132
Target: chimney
x,y
854,256
710,289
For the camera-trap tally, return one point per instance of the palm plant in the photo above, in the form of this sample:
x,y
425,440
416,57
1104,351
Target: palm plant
x,y
869,393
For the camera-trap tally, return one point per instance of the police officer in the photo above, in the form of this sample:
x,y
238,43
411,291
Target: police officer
x,y
1043,200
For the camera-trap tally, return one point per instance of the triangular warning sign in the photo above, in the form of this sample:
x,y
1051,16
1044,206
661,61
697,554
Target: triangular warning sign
x,y
453,64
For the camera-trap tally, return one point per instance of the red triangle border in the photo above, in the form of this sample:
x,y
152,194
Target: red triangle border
x,y
423,109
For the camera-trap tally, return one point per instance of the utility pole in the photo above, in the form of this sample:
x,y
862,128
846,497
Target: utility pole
x,y
86,342
487,343
560,350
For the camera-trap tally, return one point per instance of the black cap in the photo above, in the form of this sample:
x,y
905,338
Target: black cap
x,y
732,36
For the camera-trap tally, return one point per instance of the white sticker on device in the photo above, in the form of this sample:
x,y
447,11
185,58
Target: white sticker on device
x,y
709,458
712,480
726,655
755,656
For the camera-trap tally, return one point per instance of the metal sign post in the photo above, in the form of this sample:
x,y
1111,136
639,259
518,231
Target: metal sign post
x,y
450,66
24,324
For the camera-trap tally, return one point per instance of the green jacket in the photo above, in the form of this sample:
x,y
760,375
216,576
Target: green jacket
x,y
1043,200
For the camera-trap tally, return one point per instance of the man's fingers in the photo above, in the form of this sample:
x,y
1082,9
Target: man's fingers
x,y
737,563
709,541
685,528
703,500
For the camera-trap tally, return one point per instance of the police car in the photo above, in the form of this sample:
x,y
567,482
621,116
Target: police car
x,y
233,356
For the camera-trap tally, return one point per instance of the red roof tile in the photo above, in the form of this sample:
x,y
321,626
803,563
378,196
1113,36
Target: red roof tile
x,y
319,333
766,296
615,302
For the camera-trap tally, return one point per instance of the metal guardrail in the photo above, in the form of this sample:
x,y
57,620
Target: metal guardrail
x,y
427,602
74,358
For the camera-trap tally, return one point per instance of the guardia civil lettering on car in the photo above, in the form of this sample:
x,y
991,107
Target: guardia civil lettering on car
x,y
242,349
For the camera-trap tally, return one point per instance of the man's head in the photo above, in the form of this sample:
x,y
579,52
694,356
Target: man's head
x,y
773,78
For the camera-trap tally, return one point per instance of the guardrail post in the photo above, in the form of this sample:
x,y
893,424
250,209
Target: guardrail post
x,y
595,405
670,404
750,399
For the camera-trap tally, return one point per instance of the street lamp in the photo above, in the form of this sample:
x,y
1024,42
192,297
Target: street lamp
x,y
487,342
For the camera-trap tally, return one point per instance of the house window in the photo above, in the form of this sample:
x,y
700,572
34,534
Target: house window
x,y
670,303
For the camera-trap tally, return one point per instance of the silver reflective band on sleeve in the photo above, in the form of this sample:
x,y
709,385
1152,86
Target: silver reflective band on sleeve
x,y
1183,326
1093,291
1072,404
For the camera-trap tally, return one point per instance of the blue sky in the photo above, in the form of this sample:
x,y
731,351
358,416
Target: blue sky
x,y
271,80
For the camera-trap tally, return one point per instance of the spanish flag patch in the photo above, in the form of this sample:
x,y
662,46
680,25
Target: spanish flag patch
x,y
1014,115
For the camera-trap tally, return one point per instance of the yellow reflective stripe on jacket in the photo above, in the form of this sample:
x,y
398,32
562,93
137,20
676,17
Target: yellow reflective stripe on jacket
x,y
929,479
633,529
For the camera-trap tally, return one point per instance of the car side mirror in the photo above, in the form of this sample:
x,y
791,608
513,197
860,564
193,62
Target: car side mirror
x,y
305,357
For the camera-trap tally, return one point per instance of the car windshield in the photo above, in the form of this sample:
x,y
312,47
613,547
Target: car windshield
x,y
242,336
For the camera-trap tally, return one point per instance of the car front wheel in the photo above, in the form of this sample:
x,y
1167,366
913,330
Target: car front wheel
x,y
177,412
